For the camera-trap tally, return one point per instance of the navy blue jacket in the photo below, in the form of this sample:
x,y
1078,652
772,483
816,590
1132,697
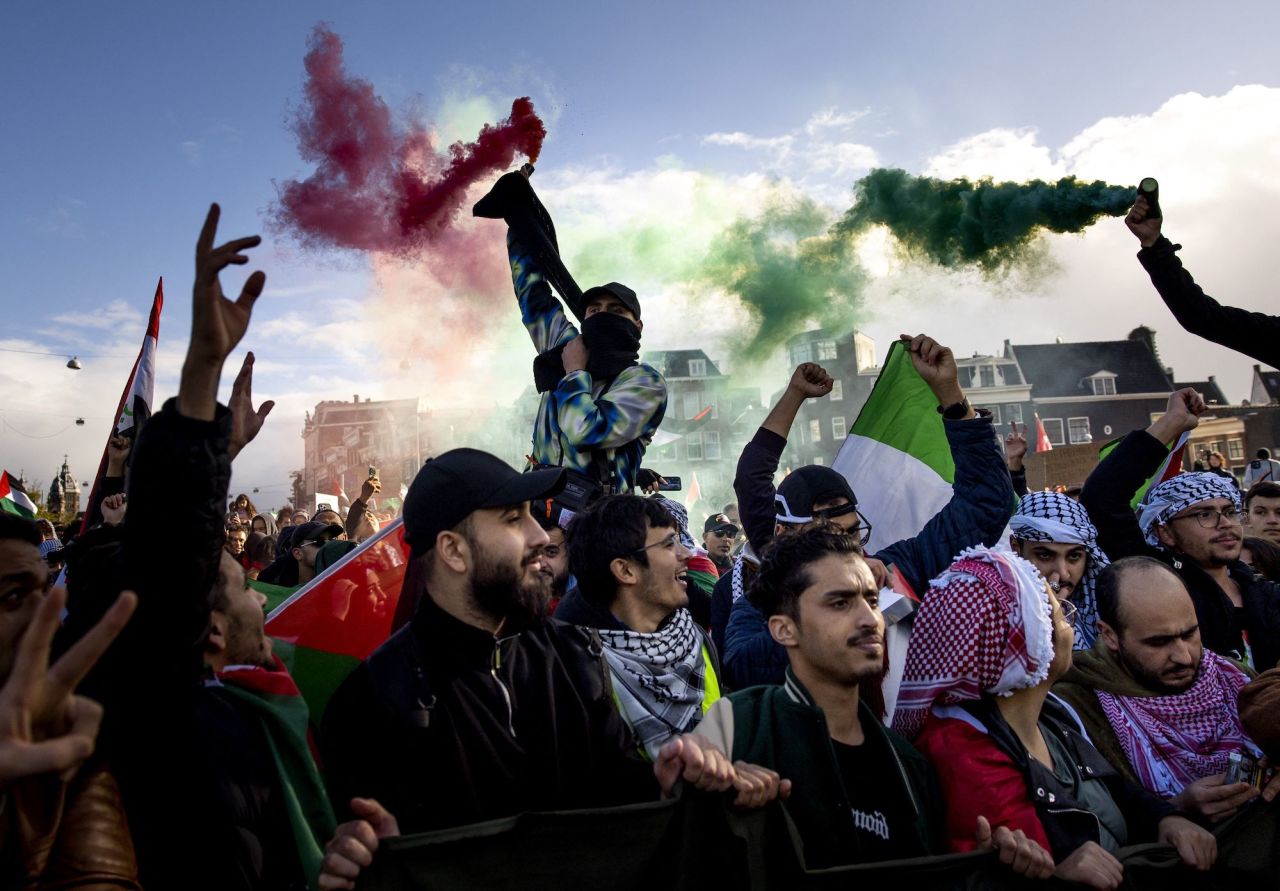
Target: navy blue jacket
x,y
980,507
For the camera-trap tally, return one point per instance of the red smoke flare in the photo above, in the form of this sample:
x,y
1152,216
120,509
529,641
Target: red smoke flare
x,y
377,186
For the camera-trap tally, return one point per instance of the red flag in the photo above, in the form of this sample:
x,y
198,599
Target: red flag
x,y
1042,438
695,492
137,399
332,623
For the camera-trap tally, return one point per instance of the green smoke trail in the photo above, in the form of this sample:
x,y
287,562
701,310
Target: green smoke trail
x,y
794,263
957,223
787,269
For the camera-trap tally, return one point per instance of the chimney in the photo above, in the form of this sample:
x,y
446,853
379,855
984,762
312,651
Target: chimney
x,y
355,398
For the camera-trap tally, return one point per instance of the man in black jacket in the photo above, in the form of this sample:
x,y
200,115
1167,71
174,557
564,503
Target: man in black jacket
x,y
1200,536
480,707
1255,334
199,783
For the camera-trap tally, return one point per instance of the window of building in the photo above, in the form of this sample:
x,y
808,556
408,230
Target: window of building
x,y
711,445
818,459
815,430
1079,430
669,452
692,403
1103,384
693,446
826,350
838,429
802,353
837,390
1013,413
1053,429
995,412
697,368
1235,449
987,375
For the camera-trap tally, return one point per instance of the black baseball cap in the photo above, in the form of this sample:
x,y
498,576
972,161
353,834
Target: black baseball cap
x,y
719,523
452,486
625,295
807,486
312,531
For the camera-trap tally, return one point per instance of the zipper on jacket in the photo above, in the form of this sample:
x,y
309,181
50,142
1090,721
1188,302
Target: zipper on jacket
x,y
906,781
506,694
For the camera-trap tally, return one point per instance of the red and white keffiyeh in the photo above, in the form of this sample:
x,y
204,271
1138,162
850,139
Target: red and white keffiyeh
x,y
1174,740
985,627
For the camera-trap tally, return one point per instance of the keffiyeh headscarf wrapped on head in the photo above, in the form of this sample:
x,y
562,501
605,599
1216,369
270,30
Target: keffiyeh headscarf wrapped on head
x,y
1053,517
681,516
1172,497
985,627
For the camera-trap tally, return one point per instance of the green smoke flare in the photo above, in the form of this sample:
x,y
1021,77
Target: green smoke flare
x,y
956,223
795,263
786,268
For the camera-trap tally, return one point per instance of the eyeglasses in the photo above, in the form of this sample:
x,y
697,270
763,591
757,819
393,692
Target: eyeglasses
x,y
667,542
863,529
1210,518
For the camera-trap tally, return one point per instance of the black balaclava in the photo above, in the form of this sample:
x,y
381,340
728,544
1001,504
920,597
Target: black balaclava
x,y
613,344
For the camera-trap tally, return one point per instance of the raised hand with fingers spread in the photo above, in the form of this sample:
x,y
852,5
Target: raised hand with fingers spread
x,y
217,323
246,421
44,726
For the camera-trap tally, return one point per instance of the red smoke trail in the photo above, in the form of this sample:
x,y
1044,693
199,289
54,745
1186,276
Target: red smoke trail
x,y
377,186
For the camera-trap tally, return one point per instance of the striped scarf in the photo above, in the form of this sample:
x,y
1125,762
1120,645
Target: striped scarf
x,y
1174,740
659,679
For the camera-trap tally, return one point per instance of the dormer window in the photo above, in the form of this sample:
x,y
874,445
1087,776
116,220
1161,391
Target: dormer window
x,y
1102,384
697,368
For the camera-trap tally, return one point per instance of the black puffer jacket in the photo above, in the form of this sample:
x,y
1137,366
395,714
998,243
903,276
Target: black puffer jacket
x,y
446,725
1106,496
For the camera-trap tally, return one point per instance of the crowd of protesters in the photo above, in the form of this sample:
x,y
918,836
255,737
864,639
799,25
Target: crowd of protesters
x,y
1082,677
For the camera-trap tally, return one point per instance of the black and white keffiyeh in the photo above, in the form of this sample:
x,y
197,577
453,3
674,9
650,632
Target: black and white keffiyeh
x,y
659,679
1053,517
1173,496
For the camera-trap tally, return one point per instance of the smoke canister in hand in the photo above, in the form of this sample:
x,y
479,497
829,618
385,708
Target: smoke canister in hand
x,y
1150,189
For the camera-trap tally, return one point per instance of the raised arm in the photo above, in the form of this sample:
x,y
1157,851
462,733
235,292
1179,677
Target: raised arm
x,y
982,494
181,474
540,311
753,483
1254,334
1109,490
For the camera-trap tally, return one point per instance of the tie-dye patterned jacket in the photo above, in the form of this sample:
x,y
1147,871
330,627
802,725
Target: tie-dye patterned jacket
x,y
581,416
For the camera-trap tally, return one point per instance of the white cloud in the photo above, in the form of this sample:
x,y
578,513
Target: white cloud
x,y
1001,154
1216,158
808,154
832,119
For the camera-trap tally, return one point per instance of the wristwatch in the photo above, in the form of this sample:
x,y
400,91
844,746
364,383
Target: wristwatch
x,y
955,411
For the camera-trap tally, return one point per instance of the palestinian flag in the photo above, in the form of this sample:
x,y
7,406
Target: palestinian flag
x,y
14,498
896,456
1168,469
273,698
897,459
701,573
138,396
324,629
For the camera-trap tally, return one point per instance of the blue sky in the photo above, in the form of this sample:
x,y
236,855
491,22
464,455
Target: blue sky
x,y
123,121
